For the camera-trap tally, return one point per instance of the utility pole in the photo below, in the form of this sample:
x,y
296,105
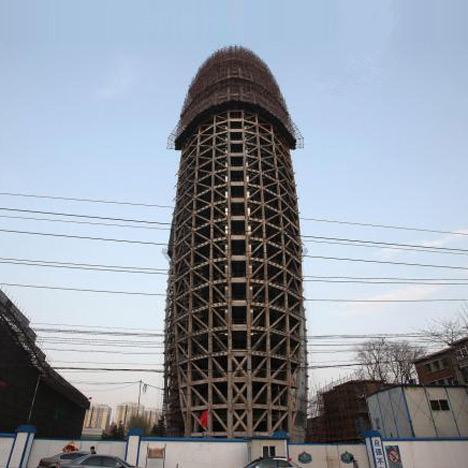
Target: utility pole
x,y
33,401
139,396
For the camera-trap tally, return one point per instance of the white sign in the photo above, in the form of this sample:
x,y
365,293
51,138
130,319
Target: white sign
x,y
378,452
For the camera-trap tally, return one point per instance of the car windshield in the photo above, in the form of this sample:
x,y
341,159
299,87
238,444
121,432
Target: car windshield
x,y
270,463
72,455
124,463
100,460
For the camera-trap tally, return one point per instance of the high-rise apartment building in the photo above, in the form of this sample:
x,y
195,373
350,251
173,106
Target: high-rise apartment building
x,y
97,417
125,411
235,362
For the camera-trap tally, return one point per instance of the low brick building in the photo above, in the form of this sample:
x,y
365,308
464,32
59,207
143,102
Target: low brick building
x,y
341,413
446,367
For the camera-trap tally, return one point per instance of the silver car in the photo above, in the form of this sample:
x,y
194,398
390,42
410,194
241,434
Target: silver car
x,y
272,462
94,460
53,462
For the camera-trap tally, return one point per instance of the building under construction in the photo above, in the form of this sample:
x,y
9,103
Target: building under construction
x,y
31,392
340,412
235,351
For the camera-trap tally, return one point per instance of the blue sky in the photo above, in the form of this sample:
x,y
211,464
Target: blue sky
x,y
90,91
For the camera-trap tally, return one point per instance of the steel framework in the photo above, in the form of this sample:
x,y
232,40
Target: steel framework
x,y
235,326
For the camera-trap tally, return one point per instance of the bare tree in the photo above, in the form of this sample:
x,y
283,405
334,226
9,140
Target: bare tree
x,y
445,332
138,421
388,361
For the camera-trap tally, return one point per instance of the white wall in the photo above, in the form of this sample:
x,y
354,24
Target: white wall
x,y
5,447
433,453
204,454
429,423
197,454
329,455
404,412
47,447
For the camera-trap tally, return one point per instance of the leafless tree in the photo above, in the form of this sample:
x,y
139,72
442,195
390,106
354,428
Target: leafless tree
x,y
388,361
139,422
446,331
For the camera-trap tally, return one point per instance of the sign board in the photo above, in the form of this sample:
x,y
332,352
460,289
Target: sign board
x,y
375,450
393,456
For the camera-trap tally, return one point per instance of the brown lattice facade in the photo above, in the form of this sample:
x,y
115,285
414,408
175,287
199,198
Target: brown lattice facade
x,y
235,326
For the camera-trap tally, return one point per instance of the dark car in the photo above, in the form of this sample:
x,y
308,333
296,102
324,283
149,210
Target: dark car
x,y
93,460
52,462
272,462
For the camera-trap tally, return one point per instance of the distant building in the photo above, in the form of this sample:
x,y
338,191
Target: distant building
x,y
126,411
420,411
152,416
31,391
446,367
341,413
97,417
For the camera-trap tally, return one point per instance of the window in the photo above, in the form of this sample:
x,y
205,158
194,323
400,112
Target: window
x,y
72,455
269,451
237,161
237,176
237,227
239,291
109,461
237,191
436,365
462,352
239,314
238,247
427,367
238,269
237,209
440,405
237,147
92,461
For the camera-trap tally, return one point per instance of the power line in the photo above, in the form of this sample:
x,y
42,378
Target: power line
x,y
33,218
110,363
152,205
69,236
77,215
91,265
347,259
382,245
161,371
386,300
390,278
384,226
427,283
163,295
84,200
95,329
103,291
308,238
101,351
97,332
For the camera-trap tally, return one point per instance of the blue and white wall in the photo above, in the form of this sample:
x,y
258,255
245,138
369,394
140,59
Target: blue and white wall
x,y
207,453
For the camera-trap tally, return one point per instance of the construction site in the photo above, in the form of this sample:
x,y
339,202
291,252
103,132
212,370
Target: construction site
x,y
235,363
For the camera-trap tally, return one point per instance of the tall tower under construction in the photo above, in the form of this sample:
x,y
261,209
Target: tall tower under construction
x,y
235,344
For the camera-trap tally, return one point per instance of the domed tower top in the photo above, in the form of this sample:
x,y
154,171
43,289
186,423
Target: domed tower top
x,y
234,77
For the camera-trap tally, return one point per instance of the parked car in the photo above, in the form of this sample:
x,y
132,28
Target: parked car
x,y
52,462
92,460
272,462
